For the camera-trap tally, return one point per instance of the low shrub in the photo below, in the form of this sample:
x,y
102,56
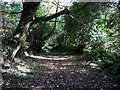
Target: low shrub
x,y
107,61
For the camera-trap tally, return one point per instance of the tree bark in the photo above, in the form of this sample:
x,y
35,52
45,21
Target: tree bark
x,y
26,20
27,17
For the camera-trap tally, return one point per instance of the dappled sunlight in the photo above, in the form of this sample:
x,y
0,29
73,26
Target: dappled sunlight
x,y
52,57
82,70
15,71
23,69
19,68
63,68
68,63
51,66
70,67
52,73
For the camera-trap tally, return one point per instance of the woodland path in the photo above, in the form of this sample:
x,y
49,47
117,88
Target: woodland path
x,y
57,72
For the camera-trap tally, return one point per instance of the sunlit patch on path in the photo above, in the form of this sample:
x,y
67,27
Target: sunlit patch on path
x,y
66,57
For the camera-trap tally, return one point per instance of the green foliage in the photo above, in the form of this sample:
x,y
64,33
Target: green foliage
x,y
12,7
85,24
89,23
77,25
8,41
45,36
25,45
94,25
10,21
47,47
66,48
106,61
38,34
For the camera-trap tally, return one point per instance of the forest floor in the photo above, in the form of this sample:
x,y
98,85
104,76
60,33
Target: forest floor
x,y
56,71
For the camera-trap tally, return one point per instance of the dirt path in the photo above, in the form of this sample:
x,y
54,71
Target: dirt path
x,y
57,72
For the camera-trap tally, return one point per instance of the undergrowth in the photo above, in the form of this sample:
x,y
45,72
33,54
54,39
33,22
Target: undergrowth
x,y
106,61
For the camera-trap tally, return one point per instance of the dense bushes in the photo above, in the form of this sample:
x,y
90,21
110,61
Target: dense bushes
x,y
106,61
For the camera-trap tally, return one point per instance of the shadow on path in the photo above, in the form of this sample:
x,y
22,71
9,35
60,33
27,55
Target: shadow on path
x,y
57,71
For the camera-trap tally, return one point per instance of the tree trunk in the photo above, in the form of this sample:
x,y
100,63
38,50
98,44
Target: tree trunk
x,y
26,20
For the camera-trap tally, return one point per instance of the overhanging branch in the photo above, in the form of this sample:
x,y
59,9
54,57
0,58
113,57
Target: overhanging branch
x,y
65,11
38,19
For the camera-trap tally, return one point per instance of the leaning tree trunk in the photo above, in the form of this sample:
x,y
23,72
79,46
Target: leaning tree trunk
x,y
26,20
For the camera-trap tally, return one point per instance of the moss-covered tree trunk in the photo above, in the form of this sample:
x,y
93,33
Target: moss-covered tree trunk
x,y
26,20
